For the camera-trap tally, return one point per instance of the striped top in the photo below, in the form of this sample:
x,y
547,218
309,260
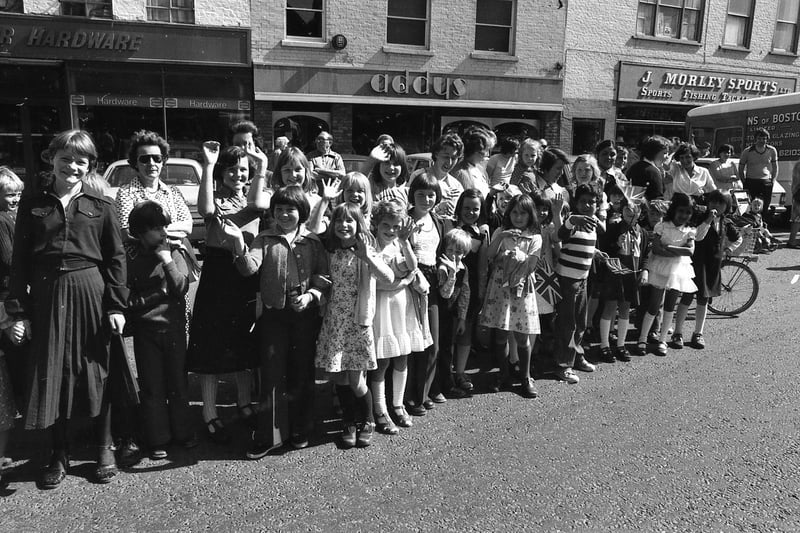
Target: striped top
x,y
577,253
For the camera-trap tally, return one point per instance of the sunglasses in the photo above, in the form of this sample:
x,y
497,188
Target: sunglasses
x,y
145,158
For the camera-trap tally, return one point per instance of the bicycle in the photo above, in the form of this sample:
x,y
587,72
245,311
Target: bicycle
x,y
739,286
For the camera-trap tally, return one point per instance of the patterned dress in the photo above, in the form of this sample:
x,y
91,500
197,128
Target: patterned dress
x,y
511,298
343,344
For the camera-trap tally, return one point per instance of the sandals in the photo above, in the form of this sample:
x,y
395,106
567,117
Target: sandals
x,y
55,472
641,348
217,431
103,474
385,425
402,417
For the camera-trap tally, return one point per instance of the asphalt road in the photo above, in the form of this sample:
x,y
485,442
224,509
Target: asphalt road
x,y
696,441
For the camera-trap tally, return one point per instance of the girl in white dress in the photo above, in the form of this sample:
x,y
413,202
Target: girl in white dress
x,y
669,269
400,326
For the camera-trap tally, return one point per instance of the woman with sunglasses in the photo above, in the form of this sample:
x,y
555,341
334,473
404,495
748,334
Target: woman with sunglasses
x,y
147,156
222,337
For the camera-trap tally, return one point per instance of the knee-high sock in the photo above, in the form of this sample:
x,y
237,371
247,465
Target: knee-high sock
x,y
622,330
347,403
208,390
364,404
665,324
378,389
605,331
680,317
399,379
700,317
647,323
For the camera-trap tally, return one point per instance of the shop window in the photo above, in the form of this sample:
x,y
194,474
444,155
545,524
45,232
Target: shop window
x,y
181,11
301,130
739,23
305,18
11,6
87,8
407,22
586,133
670,19
785,38
494,26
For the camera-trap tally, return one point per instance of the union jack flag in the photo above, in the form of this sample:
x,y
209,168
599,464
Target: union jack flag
x,y
547,283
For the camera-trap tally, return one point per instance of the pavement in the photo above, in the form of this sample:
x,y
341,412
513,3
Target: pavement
x,y
700,440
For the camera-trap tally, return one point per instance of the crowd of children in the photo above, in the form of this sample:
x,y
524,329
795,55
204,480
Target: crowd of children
x,y
344,278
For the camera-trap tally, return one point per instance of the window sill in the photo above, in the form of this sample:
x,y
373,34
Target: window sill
x,y
493,56
732,48
291,43
683,42
782,53
397,49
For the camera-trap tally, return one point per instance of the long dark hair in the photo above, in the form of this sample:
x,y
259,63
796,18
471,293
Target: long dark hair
x,y
467,194
397,156
678,200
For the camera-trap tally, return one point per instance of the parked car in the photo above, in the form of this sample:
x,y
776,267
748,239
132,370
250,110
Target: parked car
x,y
777,210
353,162
183,173
418,161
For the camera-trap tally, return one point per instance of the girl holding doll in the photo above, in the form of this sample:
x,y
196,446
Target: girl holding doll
x,y
669,269
510,304
401,325
346,344
470,217
220,335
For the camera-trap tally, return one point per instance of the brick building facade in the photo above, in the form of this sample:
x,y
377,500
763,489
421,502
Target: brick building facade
x,y
608,92
384,81
115,67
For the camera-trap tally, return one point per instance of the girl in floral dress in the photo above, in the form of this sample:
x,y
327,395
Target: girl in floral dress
x,y
346,345
511,297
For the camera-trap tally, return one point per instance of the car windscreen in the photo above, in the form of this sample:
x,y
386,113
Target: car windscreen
x,y
170,175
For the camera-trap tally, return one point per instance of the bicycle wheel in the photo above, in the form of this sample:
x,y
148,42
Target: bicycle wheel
x,y
739,289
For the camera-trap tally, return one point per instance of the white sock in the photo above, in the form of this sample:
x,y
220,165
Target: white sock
x,y
208,390
243,388
647,323
700,318
665,325
399,378
605,331
378,396
622,331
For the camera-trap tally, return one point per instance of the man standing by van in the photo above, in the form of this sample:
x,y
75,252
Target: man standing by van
x,y
758,167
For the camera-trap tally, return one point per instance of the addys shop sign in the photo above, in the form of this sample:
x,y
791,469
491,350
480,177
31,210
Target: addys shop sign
x,y
648,83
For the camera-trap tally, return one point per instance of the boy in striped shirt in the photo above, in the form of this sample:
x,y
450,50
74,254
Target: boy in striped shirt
x,y
578,236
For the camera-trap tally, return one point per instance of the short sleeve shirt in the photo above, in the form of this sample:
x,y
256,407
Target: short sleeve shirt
x,y
168,196
758,165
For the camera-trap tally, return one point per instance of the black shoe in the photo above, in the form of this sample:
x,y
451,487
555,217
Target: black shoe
x,y
259,450
456,392
55,472
128,454
365,433
428,404
528,389
606,355
417,410
217,431
299,441
349,435
622,354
